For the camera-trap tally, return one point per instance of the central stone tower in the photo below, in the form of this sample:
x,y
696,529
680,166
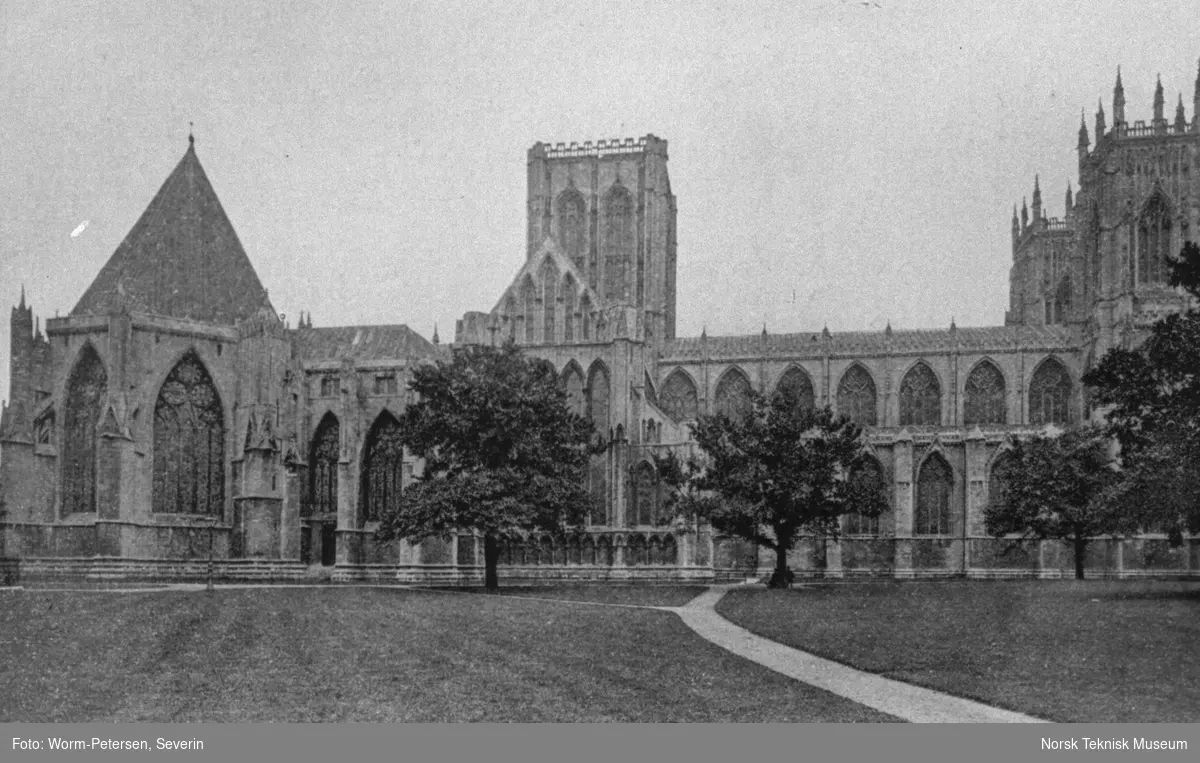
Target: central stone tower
x,y
609,207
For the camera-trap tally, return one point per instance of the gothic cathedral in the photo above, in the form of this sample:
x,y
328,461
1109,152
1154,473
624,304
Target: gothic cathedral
x,y
173,416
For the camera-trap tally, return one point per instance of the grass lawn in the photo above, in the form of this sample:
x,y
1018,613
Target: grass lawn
x,y
356,654
1089,651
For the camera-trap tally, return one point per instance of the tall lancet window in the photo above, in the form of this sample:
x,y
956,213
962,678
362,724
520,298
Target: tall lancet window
x,y
383,467
529,303
568,300
549,301
935,482
618,242
189,443
323,468
599,391
572,227
1154,242
85,394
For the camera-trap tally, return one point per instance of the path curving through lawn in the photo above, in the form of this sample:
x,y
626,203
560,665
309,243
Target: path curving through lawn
x,y
911,703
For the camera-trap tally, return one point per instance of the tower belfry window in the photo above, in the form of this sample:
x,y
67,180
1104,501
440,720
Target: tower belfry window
x,y
1154,242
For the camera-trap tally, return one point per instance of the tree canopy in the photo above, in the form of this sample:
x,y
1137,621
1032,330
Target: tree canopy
x,y
780,470
1152,393
1059,487
503,453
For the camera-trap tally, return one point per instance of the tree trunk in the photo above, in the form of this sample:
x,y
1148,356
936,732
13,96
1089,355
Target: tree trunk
x,y
782,576
491,555
1080,552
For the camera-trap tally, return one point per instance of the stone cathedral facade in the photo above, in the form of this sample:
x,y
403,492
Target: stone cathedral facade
x,y
173,416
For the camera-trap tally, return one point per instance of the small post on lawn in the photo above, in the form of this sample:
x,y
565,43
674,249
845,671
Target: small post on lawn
x,y
212,523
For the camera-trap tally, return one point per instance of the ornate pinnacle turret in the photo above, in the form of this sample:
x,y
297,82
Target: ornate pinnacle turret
x,y
1180,117
1083,133
1024,214
1158,100
1118,101
1101,128
22,305
1037,200
436,340
1070,198
1196,103
1016,224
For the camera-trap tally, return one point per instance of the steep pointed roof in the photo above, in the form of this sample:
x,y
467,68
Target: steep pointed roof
x,y
181,259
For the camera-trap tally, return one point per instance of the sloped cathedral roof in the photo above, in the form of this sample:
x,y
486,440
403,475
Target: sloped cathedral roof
x,y
181,259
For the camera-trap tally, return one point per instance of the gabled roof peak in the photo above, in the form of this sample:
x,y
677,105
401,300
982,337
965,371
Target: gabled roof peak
x,y
181,259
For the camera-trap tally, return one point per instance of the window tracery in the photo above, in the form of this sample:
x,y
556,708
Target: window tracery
x,y
383,467
323,468
189,443
679,398
618,242
1050,394
856,398
934,484
985,396
85,395
920,397
733,393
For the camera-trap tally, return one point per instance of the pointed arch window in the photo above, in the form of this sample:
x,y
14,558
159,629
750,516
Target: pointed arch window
x,y
798,387
733,395
1154,242
568,300
645,495
869,475
1058,307
618,241
585,317
189,443
549,301
323,468
383,467
920,397
598,399
85,396
1050,394
529,302
572,226
856,396
572,379
935,482
510,312
679,398
985,396
998,481
598,411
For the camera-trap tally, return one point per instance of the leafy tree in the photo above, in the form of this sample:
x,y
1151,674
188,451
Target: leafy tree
x,y
503,453
780,471
1153,397
1059,487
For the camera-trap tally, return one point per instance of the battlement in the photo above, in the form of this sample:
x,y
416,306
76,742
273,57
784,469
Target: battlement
x,y
599,148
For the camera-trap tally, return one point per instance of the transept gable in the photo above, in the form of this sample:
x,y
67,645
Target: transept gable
x,y
532,268
181,259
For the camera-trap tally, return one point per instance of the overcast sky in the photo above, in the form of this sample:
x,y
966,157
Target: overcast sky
x,y
835,163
